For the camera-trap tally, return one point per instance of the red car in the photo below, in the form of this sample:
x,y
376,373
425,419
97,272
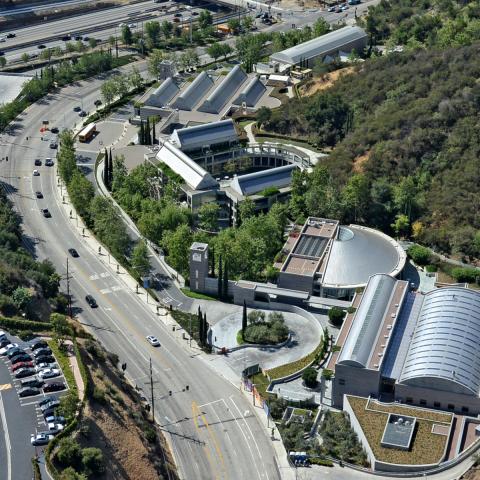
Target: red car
x,y
21,365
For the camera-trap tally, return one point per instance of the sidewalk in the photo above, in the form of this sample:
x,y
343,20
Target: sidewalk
x,y
72,359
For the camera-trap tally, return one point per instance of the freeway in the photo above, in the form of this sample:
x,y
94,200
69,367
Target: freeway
x,y
211,427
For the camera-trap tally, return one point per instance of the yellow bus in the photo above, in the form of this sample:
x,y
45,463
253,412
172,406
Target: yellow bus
x,y
87,133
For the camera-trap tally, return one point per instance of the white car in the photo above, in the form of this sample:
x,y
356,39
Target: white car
x,y
3,39
40,438
4,350
49,373
153,340
43,366
55,428
36,173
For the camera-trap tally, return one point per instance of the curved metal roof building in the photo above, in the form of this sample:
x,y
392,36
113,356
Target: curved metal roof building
x,y
445,349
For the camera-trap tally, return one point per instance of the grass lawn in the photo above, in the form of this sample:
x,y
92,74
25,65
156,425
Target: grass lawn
x,y
244,123
261,384
426,448
199,296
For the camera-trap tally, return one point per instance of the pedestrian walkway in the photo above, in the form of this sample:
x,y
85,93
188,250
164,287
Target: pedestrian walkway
x,y
72,360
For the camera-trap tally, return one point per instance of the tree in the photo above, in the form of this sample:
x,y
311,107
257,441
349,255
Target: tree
x,y
226,50
177,245
140,262
108,91
244,317
105,169
234,25
135,80
200,325
247,22
25,57
154,140
335,315
420,255
320,27
60,326
3,62
401,225
152,33
205,19
119,172
189,58
68,405
166,28
264,114
148,136
246,210
21,297
220,276
141,134
309,376
208,216
69,452
81,192
110,171
215,51
225,281
92,461
127,37
92,43
256,316
71,474
155,58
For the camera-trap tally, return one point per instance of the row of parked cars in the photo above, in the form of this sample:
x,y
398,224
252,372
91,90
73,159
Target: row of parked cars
x,y
32,368
55,423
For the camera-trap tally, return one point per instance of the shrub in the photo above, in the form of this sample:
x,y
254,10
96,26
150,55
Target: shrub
x,y
256,316
431,268
71,474
335,315
69,452
92,461
98,395
327,374
150,435
465,274
309,376
420,255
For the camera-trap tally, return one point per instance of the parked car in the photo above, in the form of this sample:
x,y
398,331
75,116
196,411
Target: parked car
x,y
39,194
153,340
3,334
47,400
91,301
36,173
54,428
54,130
83,113
49,162
55,419
66,38
97,103
4,350
73,253
38,162
77,108
38,344
11,35
4,342
44,359
49,373
20,365
54,145
43,366
24,372
54,387
14,352
24,357
33,382
41,352
41,438
49,405
28,392
41,46
46,212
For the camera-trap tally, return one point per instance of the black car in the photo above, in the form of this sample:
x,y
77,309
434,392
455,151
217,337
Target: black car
x,y
83,113
77,37
54,387
4,342
46,213
2,53
33,382
41,46
24,357
91,301
39,344
11,35
44,359
41,352
73,253
49,162
14,352
28,392
38,162
97,103
77,109
66,38
39,194
54,130
178,15
54,146
24,372
46,400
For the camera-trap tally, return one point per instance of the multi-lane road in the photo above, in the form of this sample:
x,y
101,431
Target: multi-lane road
x,y
211,427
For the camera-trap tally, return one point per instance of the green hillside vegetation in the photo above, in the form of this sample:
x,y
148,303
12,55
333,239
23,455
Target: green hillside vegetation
x,y
406,141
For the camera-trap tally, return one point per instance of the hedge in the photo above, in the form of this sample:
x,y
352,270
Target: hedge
x,y
20,324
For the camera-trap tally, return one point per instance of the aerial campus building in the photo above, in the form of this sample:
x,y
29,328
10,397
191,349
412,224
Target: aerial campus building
x,y
413,348
323,48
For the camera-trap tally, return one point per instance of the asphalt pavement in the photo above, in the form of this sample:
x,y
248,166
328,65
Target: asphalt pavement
x,y
211,427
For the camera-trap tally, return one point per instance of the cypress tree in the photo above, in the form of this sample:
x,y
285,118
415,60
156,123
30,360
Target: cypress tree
x,y
244,319
212,263
205,329
105,170
220,284
141,135
153,131
225,281
110,171
147,133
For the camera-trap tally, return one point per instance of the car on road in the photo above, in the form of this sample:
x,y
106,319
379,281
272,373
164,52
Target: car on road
x,y
47,400
91,301
3,39
178,15
54,130
36,173
39,194
44,359
33,382
54,387
41,46
24,357
28,392
132,25
83,113
38,344
4,350
73,253
66,38
49,373
122,25
11,35
54,145
2,53
46,213
55,419
41,352
24,372
38,162
49,162
20,365
97,103
330,9
153,340
41,438
54,428
77,108
14,352
77,37
195,14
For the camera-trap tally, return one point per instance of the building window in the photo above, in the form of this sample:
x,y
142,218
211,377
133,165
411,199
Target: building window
x,y
436,404
341,381
451,406
464,409
423,403
409,400
196,273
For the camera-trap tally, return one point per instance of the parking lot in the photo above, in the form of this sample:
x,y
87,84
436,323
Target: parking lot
x,y
21,417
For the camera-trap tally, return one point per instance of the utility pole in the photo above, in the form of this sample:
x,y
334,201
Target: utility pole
x,y
151,391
